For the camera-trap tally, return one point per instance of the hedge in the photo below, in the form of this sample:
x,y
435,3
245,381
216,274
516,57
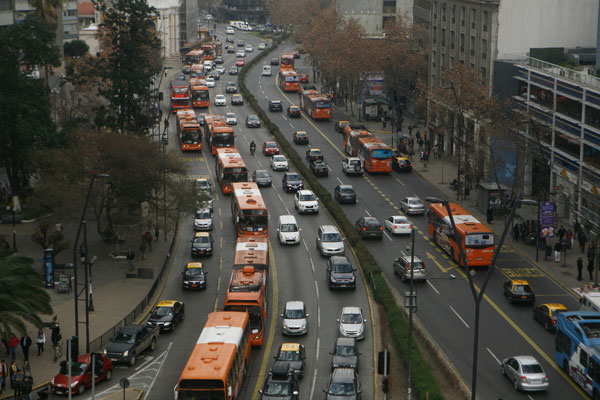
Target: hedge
x,y
424,384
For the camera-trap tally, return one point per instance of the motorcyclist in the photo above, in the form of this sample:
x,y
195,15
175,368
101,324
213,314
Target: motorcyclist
x,y
252,147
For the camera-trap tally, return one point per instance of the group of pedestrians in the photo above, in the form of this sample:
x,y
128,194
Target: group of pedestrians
x,y
19,379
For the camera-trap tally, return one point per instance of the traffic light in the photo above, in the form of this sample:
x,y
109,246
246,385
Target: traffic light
x,y
74,348
383,363
385,384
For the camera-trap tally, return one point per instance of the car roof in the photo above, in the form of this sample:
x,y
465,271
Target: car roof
x,y
298,108
407,259
191,265
343,374
346,187
413,198
314,149
280,370
351,310
345,341
275,101
131,328
401,217
554,306
294,305
372,220
519,282
339,259
167,303
526,359
305,191
329,228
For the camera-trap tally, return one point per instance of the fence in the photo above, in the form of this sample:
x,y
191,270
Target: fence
x,y
99,343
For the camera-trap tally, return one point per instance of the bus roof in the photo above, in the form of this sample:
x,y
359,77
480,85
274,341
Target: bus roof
x,y
179,84
247,279
255,243
231,162
288,72
228,152
188,115
208,361
248,195
584,324
464,221
371,141
200,87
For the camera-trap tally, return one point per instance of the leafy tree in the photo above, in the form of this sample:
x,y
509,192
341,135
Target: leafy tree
x,y
22,297
130,44
25,120
76,48
47,239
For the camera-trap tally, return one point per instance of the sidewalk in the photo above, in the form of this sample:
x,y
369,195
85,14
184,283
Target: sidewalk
x,y
116,291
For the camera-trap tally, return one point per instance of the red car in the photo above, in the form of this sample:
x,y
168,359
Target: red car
x,y
81,374
303,78
270,148
240,62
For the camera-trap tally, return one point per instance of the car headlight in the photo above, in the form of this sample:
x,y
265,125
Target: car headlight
x,y
332,278
353,278
126,353
73,384
52,382
285,326
303,327
167,323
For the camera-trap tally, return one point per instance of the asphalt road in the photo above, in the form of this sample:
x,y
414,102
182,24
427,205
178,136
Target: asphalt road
x,y
445,306
297,273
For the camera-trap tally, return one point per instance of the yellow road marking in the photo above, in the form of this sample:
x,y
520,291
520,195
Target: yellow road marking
x,y
399,181
433,258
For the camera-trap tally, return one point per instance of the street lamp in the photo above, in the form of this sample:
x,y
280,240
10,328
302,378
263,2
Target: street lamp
x,y
461,130
478,296
14,210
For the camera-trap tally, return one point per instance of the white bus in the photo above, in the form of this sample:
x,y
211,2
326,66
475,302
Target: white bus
x,y
589,298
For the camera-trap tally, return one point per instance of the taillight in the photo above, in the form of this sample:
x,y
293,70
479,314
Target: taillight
x,y
381,228
410,227
395,227
553,320
524,378
364,229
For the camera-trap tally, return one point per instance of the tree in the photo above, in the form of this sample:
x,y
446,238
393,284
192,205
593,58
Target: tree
x,y
22,297
47,239
76,48
130,47
25,120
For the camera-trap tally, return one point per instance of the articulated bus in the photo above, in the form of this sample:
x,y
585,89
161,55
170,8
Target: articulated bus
x,y
218,133
351,135
188,131
375,155
576,348
200,96
476,238
229,168
315,104
288,80
253,252
286,62
217,366
249,211
248,292
180,96
191,57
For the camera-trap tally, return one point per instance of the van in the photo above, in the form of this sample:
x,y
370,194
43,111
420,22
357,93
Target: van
x,y
329,241
287,230
267,70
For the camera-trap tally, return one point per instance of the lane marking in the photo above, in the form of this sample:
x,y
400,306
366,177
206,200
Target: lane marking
x,y
368,213
318,347
433,258
399,181
339,180
317,289
318,317
158,372
149,359
459,317
312,388
493,355
388,236
305,246
312,265
433,287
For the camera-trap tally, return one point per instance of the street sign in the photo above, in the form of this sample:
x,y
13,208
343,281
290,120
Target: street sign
x,y
359,102
124,382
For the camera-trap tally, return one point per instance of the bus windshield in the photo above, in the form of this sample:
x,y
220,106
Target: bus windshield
x,y
203,395
381,154
200,95
291,78
254,312
479,239
180,90
323,104
253,223
191,137
222,139
236,174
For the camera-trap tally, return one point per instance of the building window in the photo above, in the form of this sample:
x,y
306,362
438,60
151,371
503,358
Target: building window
x,y
434,34
452,40
486,20
463,12
5,5
568,107
482,72
591,155
566,144
462,42
443,12
473,16
592,116
472,66
453,15
443,37
540,96
435,7
484,49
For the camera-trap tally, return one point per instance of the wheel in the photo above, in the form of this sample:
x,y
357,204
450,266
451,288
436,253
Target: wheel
x,y
395,271
108,376
516,384
546,326
81,388
132,360
565,367
153,344
503,371
596,396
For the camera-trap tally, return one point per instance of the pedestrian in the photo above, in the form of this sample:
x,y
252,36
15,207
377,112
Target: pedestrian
x,y
130,257
25,345
411,151
582,241
425,136
3,375
436,151
590,269
11,373
17,379
12,345
579,268
421,155
149,239
26,368
561,233
418,134
557,248
40,340
516,233
591,253
4,194
144,248
577,228
569,237
383,122
26,387
420,142
490,215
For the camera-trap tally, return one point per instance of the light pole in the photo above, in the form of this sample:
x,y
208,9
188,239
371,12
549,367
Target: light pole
x,y
395,118
165,140
14,210
462,130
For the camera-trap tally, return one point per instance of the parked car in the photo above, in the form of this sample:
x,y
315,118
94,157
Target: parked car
x,y
262,177
352,166
166,315
412,205
295,320
518,291
340,273
402,268
300,137
275,105
398,225
345,354
305,201
194,276
343,385
344,194
252,121
292,181
231,87
319,168
237,100
280,384
526,373
293,354
352,323
369,227
270,148
294,112
546,314
129,342
279,163
314,154
202,244
81,374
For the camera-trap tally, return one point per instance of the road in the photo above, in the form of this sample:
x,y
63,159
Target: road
x,y
445,306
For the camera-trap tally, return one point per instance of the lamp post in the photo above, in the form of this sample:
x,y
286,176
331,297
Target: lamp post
x,y
164,141
394,97
461,130
14,210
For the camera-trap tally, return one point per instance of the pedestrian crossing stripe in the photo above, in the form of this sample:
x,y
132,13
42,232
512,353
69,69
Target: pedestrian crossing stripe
x,y
192,159
198,176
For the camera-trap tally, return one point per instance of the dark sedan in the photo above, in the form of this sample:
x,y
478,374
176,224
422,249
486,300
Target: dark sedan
x,y
167,314
319,168
301,137
344,194
340,274
202,244
252,121
262,178
292,181
369,227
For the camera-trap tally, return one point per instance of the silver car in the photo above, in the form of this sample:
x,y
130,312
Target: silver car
x,y
351,323
329,241
294,318
402,268
203,220
525,372
412,205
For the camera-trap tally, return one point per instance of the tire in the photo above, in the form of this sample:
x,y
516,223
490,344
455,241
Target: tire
x,y
132,360
108,375
546,326
515,385
153,344
565,367
503,371
357,168
81,389
596,395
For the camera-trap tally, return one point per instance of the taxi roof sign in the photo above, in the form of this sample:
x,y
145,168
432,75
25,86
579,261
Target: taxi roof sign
x,y
201,234
194,265
290,347
166,303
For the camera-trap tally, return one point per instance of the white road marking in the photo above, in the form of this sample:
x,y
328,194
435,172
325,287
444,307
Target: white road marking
x,y
157,372
318,316
284,117
368,213
493,355
459,317
433,287
329,168
148,360
339,180
305,246
387,236
314,382
259,163
291,125
317,289
318,346
312,265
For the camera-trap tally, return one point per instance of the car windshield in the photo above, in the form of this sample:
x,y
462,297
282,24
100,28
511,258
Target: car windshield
x,y
193,272
230,115
373,223
347,190
342,389
294,313
122,337
320,165
351,319
522,289
76,368
417,265
400,221
277,388
293,177
262,174
341,267
279,158
202,185
162,311
307,197
202,239
289,356
414,202
345,350
532,369
270,145
205,214
252,118
332,237
315,152
289,228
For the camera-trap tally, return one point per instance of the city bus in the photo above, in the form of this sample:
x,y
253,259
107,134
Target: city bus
x,y
212,50
576,347
200,96
350,138
252,251
317,105
286,62
589,298
217,366
180,96
191,57
477,239
229,168
247,292
288,80
188,131
197,71
375,155
249,211
218,133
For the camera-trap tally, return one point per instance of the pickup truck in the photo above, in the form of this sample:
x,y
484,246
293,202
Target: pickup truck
x,y
130,341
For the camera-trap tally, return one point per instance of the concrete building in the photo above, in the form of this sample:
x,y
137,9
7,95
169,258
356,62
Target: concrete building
x,y
86,14
373,15
70,21
251,11
168,21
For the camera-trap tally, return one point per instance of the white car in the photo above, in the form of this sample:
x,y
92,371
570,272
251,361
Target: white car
x,y
220,100
210,82
352,166
229,30
249,49
203,220
398,225
279,163
352,323
294,318
241,54
231,119
220,70
305,201
412,205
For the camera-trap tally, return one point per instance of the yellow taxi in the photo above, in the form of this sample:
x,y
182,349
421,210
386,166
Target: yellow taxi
x,y
294,355
518,291
339,126
546,314
167,314
194,276
401,163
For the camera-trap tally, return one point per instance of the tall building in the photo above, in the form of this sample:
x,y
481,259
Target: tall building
x,y
251,11
373,15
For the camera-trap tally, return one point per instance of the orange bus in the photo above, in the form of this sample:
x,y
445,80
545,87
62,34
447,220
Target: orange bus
x,y
317,105
249,211
248,292
191,57
180,96
477,240
286,62
288,80
351,135
375,155
212,50
252,251
200,96
188,131
196,71
218,133
229,168
218,364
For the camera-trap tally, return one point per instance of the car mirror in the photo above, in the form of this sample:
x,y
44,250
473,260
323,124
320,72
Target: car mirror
x,y
324,391
358,391
299,229
331,353
295,393
307,315
365,320
260,391
353,269
277,229
281,315
338,320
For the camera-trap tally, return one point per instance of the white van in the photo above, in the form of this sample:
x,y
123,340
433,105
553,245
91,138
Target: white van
x,y
287,230
267,71
207,65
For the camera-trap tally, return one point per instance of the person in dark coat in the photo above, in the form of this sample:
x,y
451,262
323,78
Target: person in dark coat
x,y
26,343
590,269
579,268
561,233
516,233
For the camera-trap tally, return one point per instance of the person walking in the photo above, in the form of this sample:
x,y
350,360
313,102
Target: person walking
x,y
17,379
561,233
26,343
569,237
144,248
3,375
579,268
26,368
149,239
11,373
12,345
582,239
516,232
130,257
40,340
383,122
590,268
591,253
26,387
557,249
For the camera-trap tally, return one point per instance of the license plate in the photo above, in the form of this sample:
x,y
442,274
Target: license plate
x,y
523,297
114,359
194,285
